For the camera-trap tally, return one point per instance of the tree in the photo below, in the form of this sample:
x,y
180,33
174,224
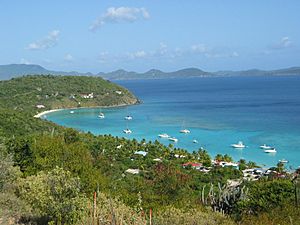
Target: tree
x,y
242,164
56,195
267,195
280,167
227,158
251,165
204,157
71,136
219,157
11,207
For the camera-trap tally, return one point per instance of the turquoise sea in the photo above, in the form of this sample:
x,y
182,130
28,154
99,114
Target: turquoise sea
x,y
217,111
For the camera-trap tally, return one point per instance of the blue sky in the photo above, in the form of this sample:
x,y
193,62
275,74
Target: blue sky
x,y
140,35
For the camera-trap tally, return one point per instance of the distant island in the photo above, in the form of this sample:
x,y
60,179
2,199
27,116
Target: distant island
x,y
16,70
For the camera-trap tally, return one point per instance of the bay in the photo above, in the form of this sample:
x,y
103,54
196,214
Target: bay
x,y
217,111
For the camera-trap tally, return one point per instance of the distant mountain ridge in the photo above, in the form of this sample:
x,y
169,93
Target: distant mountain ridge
x,y
16,70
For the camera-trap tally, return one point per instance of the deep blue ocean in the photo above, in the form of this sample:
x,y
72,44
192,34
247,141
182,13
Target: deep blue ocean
x,y
217,111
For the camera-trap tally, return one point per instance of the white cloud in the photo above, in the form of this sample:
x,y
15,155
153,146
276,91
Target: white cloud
x,y
103,57
25,61
221,55
68,57
235,54
285,42
162,48
121,14
212,52
199,48
47,42
138,54
164,53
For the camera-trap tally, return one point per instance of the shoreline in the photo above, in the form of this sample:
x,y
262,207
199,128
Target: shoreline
x,y
39,115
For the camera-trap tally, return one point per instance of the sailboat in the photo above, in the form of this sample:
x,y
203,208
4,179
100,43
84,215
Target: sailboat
x,y
173,139
101,115
184,130
128,117
164,135
127,130
240,145
271,150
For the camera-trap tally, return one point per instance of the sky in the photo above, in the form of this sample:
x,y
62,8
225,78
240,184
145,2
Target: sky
x,y
139,35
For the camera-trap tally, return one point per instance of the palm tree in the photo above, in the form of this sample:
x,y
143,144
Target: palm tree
x,y
280,167
219,157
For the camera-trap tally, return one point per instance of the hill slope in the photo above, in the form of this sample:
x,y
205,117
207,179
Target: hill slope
x,y
26,93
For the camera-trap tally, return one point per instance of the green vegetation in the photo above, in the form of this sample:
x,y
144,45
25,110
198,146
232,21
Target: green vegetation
x,y
26,93
48,174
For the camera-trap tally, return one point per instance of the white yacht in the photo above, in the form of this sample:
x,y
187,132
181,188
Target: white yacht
x,y
101,115
128,117
283,161
164,135
271,150
127,131
238,145
264,146
173,139
195,141
185,131
72,112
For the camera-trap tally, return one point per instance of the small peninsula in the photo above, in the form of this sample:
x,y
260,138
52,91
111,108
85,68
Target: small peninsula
x,y
48,92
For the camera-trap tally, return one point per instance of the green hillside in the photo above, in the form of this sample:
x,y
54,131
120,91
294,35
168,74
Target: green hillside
x,y
52,92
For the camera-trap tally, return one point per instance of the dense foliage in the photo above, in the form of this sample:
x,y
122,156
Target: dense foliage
x,y
25,93
48,173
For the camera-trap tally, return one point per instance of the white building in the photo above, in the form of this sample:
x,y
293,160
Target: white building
x,y
40,106
133,171
86,96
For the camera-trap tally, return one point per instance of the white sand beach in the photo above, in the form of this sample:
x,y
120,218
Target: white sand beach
x,y
39,115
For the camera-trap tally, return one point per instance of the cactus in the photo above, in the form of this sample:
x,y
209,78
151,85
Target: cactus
x,y
224,199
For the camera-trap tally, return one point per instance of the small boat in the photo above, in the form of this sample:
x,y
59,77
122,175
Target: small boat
x,y
283,161
271,150
195,141
128,117
264,146
72,112
238,145
173,139
163,135
127,131
185,131
101,115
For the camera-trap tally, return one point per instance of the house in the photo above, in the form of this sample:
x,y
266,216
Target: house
x,y
40,106
133,171
226,164
87,95
157,160
143,153
196,166
119,92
